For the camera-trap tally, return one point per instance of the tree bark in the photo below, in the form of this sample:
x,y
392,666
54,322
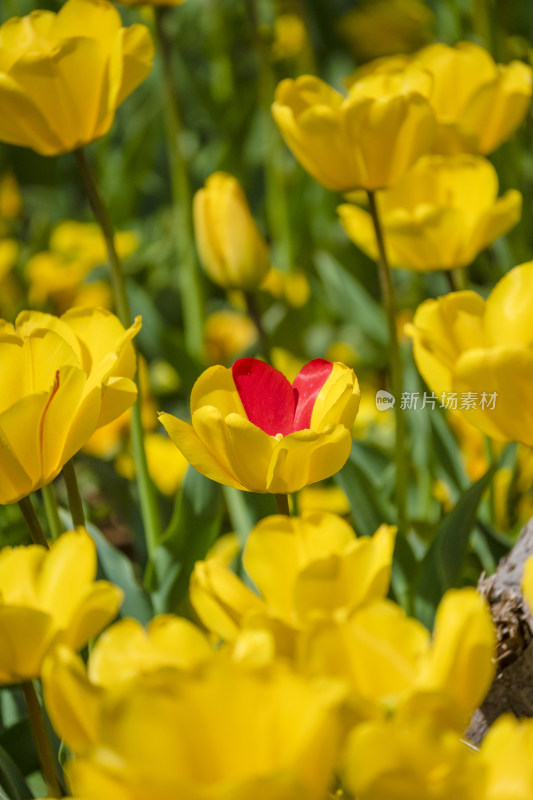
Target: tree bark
x,y
512,688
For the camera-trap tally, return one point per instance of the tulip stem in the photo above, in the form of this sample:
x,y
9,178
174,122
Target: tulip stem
x,y
389,301
32,521
74,497
147,496
44,748
52,513
190,283
255,315
282,504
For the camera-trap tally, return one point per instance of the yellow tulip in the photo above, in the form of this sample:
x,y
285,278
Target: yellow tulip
x,y
61,378
365,141
313,567
391,664
308,569
194,736
232,250
410,760
126,654
50,597
63,75
478,354
478,103
253,430
506,756
440,215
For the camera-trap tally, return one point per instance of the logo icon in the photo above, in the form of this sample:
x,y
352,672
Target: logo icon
x,y
384,400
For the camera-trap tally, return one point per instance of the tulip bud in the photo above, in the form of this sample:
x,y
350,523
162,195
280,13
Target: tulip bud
x,y
231,248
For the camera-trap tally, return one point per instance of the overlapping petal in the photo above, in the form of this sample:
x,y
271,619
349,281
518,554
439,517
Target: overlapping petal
x,y
63,75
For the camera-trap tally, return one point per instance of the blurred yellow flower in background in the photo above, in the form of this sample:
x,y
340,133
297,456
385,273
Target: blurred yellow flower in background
x,y
166,465
50,597
61,378
292,286
62,76
232,250
228,334
478,103
482,350
290,36
440,215
10,198
367,140
377,28
75,249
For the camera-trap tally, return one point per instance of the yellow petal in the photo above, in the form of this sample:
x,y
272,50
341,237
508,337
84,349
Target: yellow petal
x,y
307,457
196,452
72,701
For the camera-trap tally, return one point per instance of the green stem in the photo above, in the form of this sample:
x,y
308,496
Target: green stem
x,y
52,513
191,288
282,504
147,496
389,301
104,220
44,748
74,497
34,526
255,315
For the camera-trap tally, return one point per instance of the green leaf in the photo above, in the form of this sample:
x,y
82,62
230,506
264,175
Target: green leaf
x,y
351,300
193,529
368,505
441,567
11,778
18,743
114,566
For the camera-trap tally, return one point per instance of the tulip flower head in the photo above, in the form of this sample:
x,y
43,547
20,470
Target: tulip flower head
x,y
253,430
482,350
50,597
440,215
60,379
232,250
62,76
367,140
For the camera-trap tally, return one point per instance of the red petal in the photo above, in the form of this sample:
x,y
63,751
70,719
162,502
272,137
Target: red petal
x,y
266,395
306,387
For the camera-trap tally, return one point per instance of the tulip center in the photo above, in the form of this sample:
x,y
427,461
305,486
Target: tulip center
x,y
274,404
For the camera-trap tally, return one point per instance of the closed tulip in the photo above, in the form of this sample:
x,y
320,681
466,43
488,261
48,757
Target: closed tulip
x,y
60,379
440,215
478,354
62,76
367,140
50,597
232,250
253,430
